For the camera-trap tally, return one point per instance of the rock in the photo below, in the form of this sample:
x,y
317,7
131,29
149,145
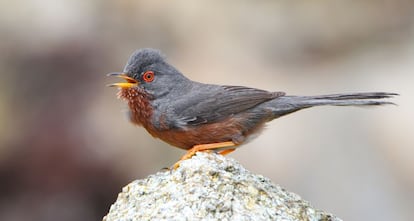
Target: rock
x,y
210,187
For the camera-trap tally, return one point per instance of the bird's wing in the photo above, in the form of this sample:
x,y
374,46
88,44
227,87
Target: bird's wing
x,y
226,101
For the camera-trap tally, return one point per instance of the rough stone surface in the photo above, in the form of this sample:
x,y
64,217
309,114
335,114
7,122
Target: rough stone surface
x,y
210,187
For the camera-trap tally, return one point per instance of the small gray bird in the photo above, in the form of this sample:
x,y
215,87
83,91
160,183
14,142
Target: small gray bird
x,y
207,117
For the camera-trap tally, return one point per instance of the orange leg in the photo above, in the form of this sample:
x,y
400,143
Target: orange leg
x,y
205,147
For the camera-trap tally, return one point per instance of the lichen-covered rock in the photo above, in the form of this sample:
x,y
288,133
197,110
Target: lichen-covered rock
x,y
210,187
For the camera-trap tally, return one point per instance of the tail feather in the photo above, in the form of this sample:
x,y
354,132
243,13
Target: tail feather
x,y
289,104
356,96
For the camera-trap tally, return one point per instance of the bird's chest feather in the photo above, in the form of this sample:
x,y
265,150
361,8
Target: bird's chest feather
x,y
143,113
140,108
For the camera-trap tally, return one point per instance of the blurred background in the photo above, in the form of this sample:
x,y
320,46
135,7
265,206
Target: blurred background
x,y
67,148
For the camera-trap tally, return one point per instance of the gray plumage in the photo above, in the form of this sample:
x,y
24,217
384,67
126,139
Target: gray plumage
x,y
179,103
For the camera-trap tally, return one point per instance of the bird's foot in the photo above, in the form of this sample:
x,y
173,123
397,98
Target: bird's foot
x,y
206,148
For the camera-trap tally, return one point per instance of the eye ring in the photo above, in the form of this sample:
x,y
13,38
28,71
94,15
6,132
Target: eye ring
x,y
148,76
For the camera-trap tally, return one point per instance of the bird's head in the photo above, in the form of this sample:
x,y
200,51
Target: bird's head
x,y
147,71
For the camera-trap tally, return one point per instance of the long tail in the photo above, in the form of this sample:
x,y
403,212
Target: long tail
x,y
288,104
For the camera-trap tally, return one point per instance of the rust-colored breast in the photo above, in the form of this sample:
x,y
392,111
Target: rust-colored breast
x,y
139,105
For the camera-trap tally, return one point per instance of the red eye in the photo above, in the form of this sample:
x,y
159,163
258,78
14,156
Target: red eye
x,y
148,76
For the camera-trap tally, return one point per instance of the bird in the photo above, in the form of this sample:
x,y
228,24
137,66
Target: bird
x,y
196,116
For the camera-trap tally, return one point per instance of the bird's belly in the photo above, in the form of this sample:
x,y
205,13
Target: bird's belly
x,y
228,130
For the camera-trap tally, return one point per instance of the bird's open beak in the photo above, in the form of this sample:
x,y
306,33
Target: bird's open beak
x,y
131,82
